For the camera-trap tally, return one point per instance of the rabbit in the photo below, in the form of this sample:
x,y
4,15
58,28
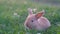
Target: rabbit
x,y
36,21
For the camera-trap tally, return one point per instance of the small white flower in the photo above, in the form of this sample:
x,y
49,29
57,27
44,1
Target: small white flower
x,y
18,15
10,7
15,14
18,32
28,33
25,2
43,10
58,23
34,10
38,33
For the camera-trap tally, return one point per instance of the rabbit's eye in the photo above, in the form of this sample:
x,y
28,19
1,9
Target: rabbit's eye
x,y
32,20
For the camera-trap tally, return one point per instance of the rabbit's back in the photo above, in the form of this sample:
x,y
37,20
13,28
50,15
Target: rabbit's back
x,y
43,22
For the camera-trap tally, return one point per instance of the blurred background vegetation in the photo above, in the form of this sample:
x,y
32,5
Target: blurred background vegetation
x,y
14,12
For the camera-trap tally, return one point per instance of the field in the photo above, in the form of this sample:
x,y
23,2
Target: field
x,y
14,12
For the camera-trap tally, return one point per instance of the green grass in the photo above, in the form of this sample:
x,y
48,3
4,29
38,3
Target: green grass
x,y
10,24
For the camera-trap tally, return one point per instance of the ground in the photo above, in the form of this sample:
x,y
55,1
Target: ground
x,y
14,12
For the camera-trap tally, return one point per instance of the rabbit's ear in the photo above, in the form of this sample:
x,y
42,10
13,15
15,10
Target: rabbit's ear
x,y
30,11
38,15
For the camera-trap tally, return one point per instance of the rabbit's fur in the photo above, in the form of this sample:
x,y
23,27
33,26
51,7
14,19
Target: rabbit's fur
x,y
36,21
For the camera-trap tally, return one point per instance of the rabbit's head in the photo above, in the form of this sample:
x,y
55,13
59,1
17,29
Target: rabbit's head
x,y
33,18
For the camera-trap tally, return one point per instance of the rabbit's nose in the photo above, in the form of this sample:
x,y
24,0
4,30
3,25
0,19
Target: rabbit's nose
x,y
28,26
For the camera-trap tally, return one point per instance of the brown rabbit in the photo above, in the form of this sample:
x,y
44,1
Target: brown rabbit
x,y
36,21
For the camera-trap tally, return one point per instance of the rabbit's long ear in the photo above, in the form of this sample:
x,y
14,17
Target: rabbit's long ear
x,y
38,15
30,11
